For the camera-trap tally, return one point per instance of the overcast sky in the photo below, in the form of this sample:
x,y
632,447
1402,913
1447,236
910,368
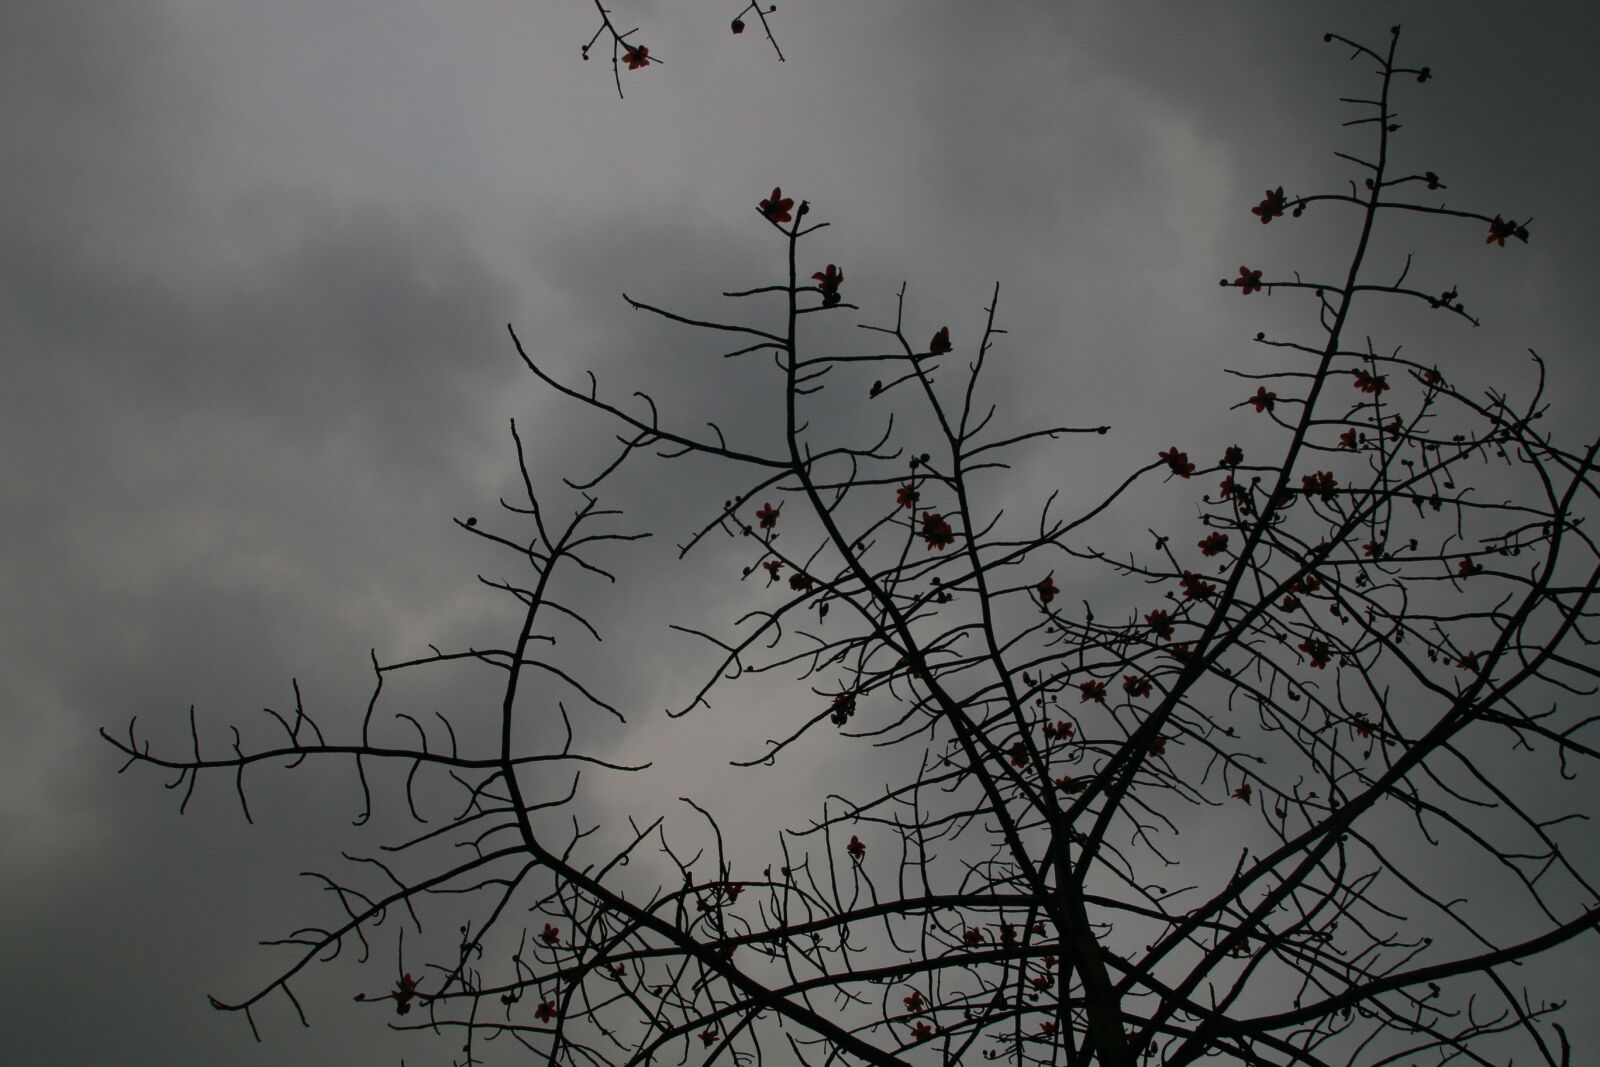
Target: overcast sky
x,y
256,263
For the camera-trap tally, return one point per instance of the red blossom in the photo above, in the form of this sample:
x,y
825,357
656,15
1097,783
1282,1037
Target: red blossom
x,y
708,1037
1263,400
973,936
1134,685
1468,661
1179,651
1068,784
767,516
921,1032
1318,651
801,582
907,496
914,1003
1161,623
1158,747
1361,725
773,566
550,936
1177,461
1231,490
1243,792
829,280
1323,483
843,706
936,531
1272,207
1501,228
1196,587
1466,568
635,57
941,342
1047,590
776,207
1291,603
1047,1028
856,848
1214,543
1370,383
1041,982
1372,550
1092,690
405,991
1348,438
1058,730
546,1011
1232,456
1248,280
1019,754
1038,930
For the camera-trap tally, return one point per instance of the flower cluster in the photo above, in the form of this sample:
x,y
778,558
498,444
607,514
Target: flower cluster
x,y
936,531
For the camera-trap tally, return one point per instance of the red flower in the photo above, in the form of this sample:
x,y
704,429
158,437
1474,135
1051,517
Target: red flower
x,y
1370,383
776,207
1019,754
773,566
405,990
1008,933
1243,792
1177,461
1348,438
738,25
635,57
767,516
1501,228
1318,651
907,496
1248,280
936,531
914,1003
1038,931
843,706
1322,483
1372,550
1041,982
551,935
1362,726
1061,730
1134,685
829,280
1272,207
1213,544
1158,747
545,1011
1263,400
856,849
973,936
1068,784
1047,590
1232,456
1466,568
708,1037
1047,1028
800,582
1179,651
1196,587
1291,603
1092,690
1468,662
1431,377
1159,621
921,1032
1230,490
941,342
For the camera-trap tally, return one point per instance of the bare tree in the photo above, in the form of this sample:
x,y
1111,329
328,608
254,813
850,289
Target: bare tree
x,y
1372,642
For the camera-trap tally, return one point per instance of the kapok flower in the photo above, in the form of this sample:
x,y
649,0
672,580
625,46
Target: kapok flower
x,y
1177,461
1248,280
545,1012
921,1032
1501,228
1068,784
1158,747
941,342
708,1037
1232,456
1047,1028
767,516
1290,602
914,1003
1243,792
1370,383
829,281
843,706
550,936
973,936
1019,754
1318,651
1092,690
1372,550
1468,661
936,531
1062,730
1263,400
856,848
1134,685
1361,725
1047,589
776,207
907,496
1323,483
1196,587
1466,568
1272,207
1161,623
1348,438
405,991
635,57
801,582
773,566
1213,543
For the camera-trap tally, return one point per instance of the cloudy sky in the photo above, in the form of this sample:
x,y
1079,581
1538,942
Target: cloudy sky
x,y
258,260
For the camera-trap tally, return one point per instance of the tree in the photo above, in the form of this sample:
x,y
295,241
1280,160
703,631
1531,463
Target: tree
x,y
1364,658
